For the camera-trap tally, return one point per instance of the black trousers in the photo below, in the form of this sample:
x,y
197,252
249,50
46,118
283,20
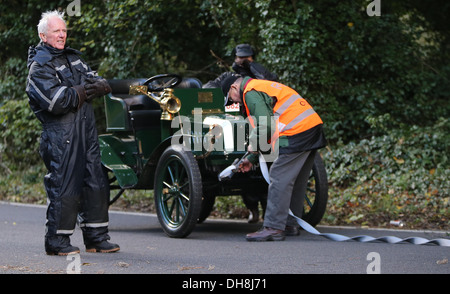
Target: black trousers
x,y
75,183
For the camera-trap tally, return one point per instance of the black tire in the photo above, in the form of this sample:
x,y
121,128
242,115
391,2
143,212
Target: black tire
x,y
316,194
178,191
207,206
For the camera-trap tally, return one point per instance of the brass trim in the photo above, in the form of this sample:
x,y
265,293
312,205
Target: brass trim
x,y
206,111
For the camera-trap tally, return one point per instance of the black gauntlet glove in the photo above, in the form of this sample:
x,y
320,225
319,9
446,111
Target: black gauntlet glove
x,y
96,88
242,67
246,64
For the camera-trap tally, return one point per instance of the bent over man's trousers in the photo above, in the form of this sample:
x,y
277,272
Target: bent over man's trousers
x,y
289,176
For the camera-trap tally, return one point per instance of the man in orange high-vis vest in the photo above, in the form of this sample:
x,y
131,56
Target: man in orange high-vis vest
x,y
298,132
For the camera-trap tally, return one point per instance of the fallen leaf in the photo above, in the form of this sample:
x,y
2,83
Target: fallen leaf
x,y
122,264
442,261
185,268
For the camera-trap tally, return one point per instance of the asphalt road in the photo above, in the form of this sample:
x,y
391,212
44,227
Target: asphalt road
x,y
215,247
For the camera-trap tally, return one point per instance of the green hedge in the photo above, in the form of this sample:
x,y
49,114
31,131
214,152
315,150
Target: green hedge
x,y
19,134
402,173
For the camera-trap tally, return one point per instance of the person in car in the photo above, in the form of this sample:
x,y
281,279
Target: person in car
x,y
245,65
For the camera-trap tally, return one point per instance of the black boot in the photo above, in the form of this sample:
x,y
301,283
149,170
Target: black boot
x,y
103,247
253,216
96,240
59,245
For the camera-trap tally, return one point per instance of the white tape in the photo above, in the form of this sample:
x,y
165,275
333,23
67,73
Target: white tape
x,y
387,239
336,237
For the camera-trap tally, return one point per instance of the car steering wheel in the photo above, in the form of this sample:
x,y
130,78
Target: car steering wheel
x,y
159,82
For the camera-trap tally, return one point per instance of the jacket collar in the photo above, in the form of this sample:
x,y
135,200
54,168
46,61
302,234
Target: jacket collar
x,y
43,53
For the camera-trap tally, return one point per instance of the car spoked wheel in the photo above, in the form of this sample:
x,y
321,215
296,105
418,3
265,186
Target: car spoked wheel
x,y
178,191
317,193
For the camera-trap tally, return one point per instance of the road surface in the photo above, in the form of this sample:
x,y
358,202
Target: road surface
x,y
214,247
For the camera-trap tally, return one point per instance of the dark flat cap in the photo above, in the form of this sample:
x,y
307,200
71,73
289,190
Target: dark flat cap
x,y
243,50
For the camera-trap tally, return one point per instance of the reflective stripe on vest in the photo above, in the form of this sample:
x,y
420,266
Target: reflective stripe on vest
x,y
293,113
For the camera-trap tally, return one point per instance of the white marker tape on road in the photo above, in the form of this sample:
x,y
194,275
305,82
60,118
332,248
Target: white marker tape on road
x,y
387,239
336,237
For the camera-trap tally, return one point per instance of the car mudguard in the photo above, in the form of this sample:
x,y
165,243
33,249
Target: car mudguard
x,y
125,175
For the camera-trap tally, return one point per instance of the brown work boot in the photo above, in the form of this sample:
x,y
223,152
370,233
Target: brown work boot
x,y
266,234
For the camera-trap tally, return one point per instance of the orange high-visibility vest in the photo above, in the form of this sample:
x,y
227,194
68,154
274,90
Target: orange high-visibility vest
x,y
293,113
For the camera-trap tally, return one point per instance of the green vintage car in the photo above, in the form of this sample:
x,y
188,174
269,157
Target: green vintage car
x,y
169,134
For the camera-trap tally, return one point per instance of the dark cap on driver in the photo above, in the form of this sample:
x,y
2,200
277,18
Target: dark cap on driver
x,y
244,50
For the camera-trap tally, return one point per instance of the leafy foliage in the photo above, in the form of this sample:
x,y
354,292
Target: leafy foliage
x,y
145,38
19,130
402,173
350,65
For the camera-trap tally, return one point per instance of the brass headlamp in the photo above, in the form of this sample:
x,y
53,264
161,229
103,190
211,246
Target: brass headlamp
x,y
169,103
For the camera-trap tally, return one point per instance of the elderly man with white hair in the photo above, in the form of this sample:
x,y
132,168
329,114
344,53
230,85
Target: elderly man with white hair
x,y
60,87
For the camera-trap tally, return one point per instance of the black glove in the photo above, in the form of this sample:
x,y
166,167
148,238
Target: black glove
x,y
246,64
96,88
243,68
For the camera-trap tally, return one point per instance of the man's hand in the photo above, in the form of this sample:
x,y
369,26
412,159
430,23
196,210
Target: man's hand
x,y
245,166
96,88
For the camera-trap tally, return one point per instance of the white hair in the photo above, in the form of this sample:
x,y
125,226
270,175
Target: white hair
x,y
43,23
